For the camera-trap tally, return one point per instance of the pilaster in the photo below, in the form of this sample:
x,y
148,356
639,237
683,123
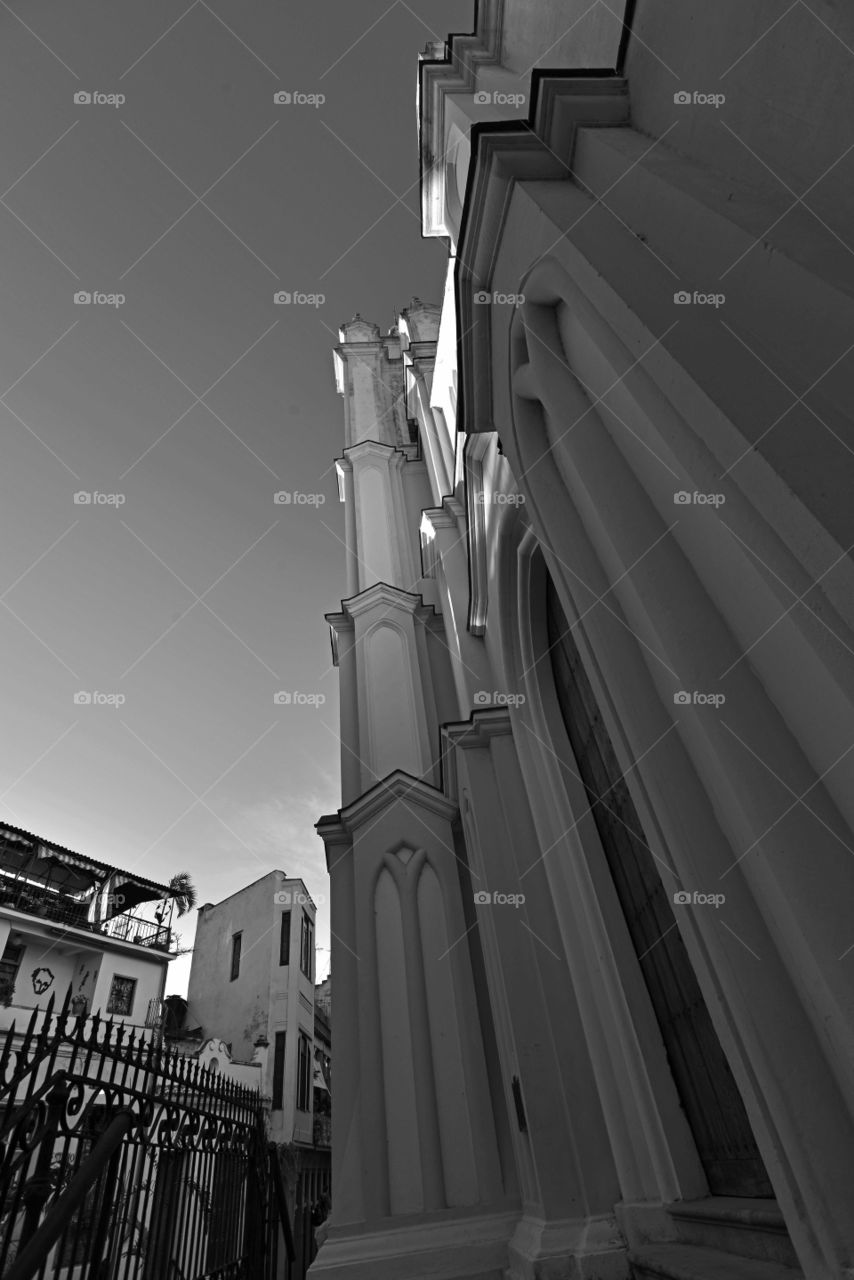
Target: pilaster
x,y
396,686
569,1183
427,1193
444,534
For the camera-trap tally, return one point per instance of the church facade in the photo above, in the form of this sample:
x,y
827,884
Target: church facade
x,y
592,875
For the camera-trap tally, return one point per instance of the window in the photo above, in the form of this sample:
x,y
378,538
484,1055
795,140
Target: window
x,y
9,966
236,944
279,1071
306,946
304,1073
121,998
285,939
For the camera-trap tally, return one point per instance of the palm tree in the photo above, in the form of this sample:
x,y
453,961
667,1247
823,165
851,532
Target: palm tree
x,y
182,894
182,891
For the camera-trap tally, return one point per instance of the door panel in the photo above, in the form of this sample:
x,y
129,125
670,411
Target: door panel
x,y
705,1083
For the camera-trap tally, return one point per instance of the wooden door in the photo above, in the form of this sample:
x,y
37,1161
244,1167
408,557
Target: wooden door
x,y
701,1072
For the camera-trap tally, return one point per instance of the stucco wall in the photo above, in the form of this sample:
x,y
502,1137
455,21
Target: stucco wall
x,y
788,96
236,1012
566,33
265,997
59,965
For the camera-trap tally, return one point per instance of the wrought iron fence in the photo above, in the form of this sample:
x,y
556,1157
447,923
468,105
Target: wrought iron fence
x,y
311,1204
120,1160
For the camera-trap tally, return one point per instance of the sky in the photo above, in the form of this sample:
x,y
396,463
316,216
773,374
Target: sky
x,y
156,596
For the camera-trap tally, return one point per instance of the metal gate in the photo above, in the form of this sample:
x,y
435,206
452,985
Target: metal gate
x,y
121,1160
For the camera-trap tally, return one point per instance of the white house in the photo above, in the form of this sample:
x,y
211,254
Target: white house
x,y
74,928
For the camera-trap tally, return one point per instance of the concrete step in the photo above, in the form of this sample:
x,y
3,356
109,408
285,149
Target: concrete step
x,y
747,1227
690,1262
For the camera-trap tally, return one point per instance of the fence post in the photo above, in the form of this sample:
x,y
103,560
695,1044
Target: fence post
x,y
110,1183
39,1185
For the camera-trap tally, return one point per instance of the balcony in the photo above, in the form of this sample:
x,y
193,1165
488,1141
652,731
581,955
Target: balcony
x,y
144,933
323,1131
55,885
46,903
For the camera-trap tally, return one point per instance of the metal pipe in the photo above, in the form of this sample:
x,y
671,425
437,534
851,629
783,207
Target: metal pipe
x,y
35,1252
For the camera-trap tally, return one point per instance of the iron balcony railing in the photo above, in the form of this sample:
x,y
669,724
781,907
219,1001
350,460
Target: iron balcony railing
x,y
35,900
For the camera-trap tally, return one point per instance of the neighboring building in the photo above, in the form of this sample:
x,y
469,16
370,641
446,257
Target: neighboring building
x,y
323,1063
591,880
252,987
323,995
71,926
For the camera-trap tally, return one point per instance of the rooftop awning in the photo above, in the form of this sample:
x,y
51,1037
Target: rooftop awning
x,y
24,856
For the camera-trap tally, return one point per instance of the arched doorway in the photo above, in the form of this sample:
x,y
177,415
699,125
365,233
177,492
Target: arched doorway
x,y
707,1089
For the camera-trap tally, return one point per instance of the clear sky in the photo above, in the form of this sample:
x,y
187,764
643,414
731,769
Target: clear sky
x,y
182,586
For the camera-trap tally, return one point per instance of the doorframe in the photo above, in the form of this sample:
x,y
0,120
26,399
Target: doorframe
x,y
666,882
654,1148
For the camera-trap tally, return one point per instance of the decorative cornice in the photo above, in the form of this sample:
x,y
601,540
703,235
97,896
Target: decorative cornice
x,y
407,452
467,735
449,515
455,72
503,154
481,726
380,594
392,597
337,840
343,468
473,453
397,786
